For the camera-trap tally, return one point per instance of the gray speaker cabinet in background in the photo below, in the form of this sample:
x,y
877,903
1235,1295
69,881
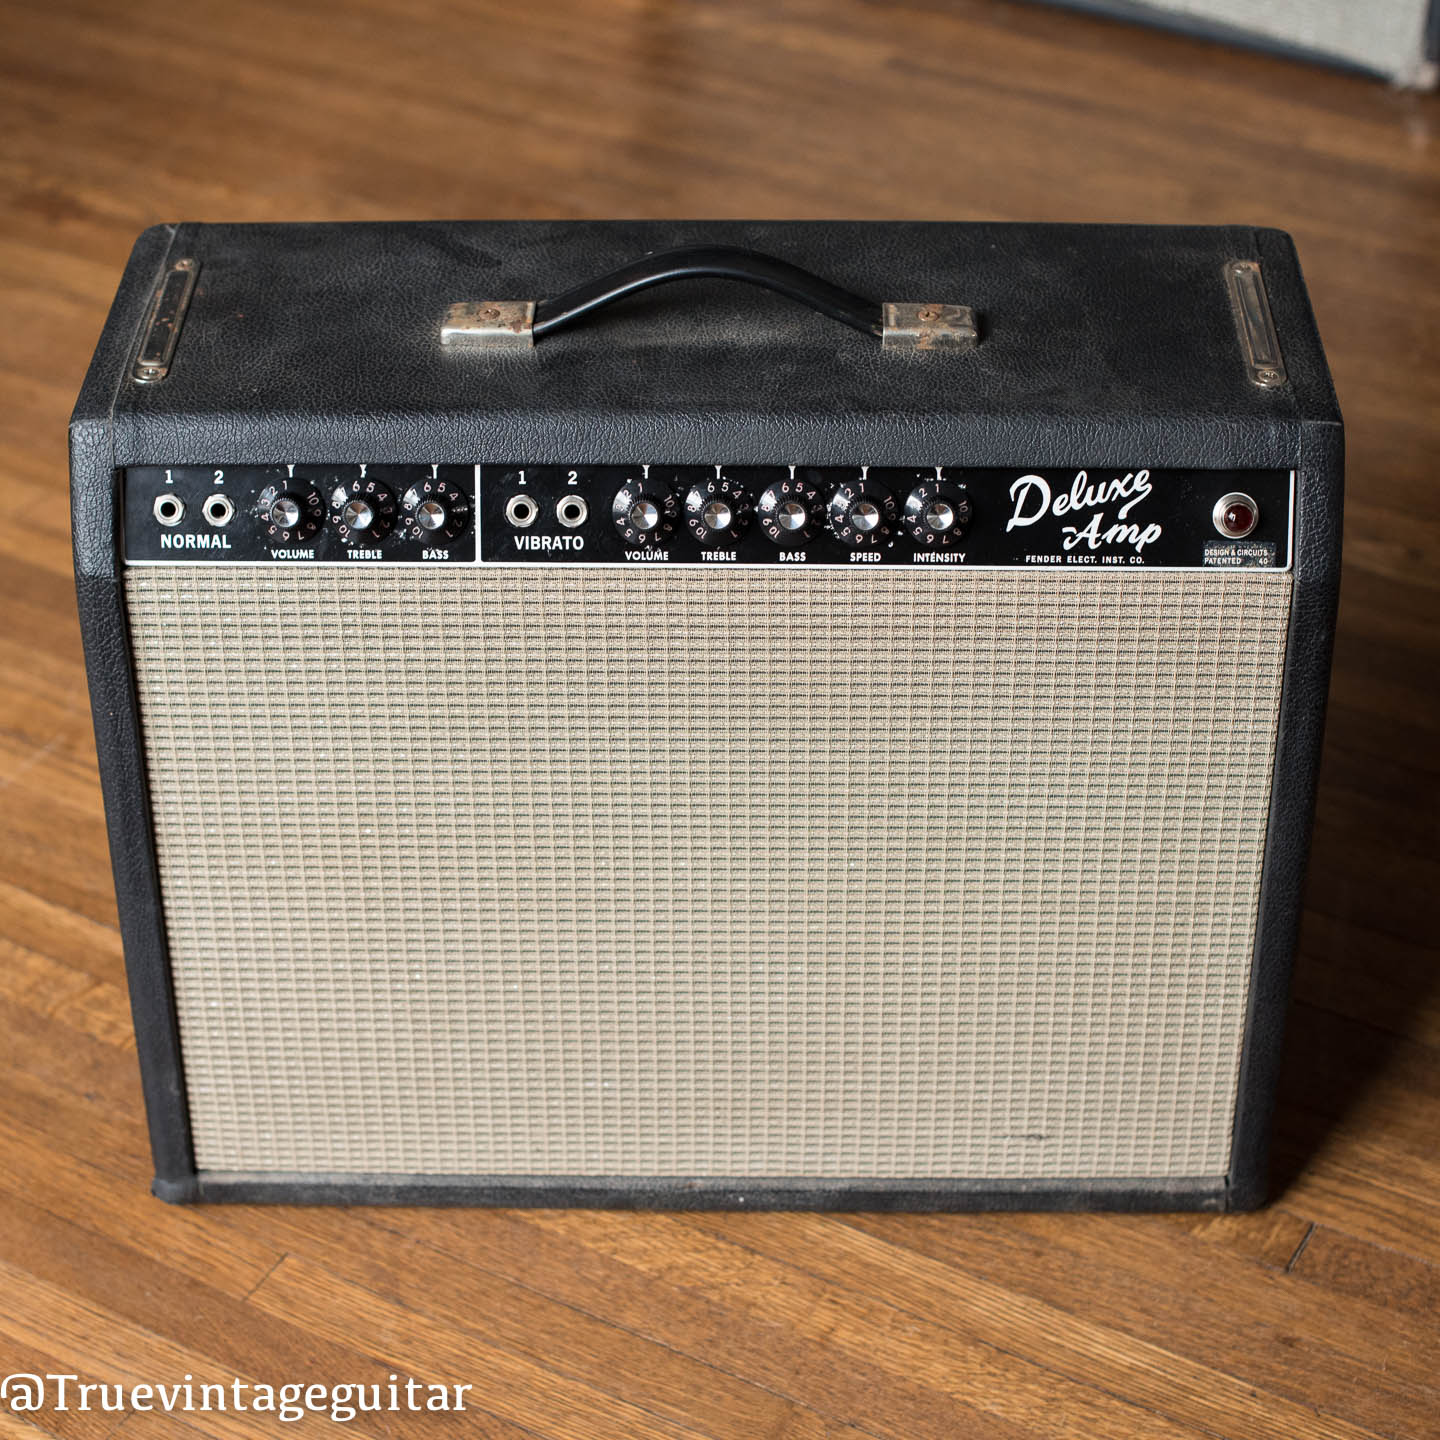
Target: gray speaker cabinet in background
x,y
487,830
1397,39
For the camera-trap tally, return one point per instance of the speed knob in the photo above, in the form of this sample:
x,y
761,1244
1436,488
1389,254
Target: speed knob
x,y
435,511
862,514
291,513
717,510
362,511
791,510
645,511
936,513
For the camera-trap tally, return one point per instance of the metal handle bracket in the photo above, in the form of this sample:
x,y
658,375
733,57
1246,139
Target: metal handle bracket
x,y
490,325
928,327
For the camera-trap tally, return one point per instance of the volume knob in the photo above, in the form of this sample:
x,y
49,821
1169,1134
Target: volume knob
x,y
863,513
291,514
645,511
435,511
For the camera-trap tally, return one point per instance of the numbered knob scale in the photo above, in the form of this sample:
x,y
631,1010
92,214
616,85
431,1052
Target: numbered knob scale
x,y
791,511
362,511
434,511
936,513
291,511
863,514
718,510
645,511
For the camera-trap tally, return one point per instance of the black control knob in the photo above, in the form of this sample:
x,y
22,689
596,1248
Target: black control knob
x,y
863,514
936,513
291,512
362,511
434,511
645,511
791,510
718,510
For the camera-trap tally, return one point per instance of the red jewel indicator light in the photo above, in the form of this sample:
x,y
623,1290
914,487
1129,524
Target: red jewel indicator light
x,y
1235,516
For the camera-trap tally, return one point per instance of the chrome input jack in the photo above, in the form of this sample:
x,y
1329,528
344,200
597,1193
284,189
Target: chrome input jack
x,y
169,510
521,511
219,510
571,511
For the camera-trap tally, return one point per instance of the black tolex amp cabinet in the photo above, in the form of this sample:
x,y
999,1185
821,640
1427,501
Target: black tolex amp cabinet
x,y
571,737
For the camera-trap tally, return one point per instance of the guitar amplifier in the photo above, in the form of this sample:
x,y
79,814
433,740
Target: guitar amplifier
x,y
578,731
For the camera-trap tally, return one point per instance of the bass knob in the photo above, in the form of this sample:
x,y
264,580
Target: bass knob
x,y
791,510
645,511
863,514
435,511
362,511
291,513
936,513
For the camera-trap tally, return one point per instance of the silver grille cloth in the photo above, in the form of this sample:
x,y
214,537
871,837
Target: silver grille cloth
x,y
870,873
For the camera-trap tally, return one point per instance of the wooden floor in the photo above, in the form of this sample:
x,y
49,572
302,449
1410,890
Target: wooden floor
x,y
1317,1317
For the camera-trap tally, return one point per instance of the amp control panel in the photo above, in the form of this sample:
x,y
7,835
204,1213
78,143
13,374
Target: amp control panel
x,y
299,514
747,515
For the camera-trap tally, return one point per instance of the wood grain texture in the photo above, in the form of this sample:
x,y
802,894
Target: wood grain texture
x,y
1317,1317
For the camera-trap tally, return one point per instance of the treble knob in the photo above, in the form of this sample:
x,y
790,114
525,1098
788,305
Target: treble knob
x,y
645,511
936,513
435,511
291,513
362,511
863,514
717,510
791,510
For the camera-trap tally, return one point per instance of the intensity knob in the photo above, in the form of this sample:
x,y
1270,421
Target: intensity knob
x,y
434,511
362,511
718,510
645,511
291,513
791,510
863,514
936,513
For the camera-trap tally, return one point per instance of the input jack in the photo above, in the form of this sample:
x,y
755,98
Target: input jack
x,y
572,511
521,511
169,509
219,510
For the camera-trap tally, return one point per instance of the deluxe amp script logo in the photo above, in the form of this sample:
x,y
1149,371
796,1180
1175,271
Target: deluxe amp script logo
x,y
1034,499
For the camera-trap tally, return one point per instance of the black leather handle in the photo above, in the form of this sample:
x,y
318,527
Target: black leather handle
x,y
709,262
